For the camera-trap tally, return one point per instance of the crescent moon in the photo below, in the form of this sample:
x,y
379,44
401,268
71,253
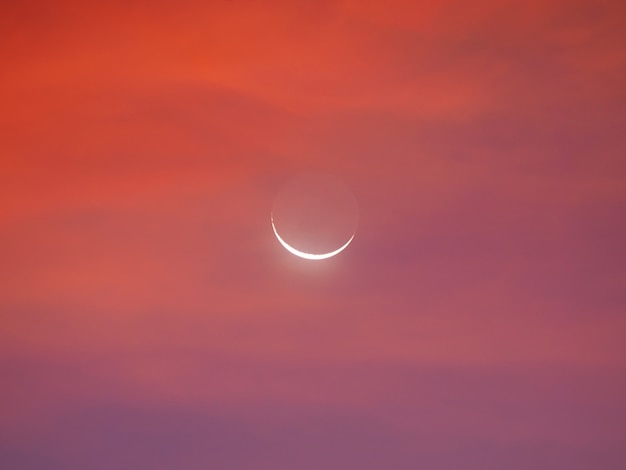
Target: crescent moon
x,y
304,255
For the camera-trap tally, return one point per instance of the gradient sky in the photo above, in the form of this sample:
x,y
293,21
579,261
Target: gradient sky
x,y
150,319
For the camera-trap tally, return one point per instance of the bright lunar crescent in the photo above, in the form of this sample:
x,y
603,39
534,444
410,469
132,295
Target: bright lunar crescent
x,y
314,216
304,255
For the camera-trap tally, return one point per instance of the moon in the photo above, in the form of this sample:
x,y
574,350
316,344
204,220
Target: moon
x,y
304,255
314,216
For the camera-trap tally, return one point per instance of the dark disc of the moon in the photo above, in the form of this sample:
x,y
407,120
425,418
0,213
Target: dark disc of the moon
x,y
315,213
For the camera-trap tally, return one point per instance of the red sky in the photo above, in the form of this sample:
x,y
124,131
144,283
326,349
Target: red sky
x,y
150,319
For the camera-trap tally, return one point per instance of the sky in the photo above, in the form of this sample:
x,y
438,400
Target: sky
x,y
149,319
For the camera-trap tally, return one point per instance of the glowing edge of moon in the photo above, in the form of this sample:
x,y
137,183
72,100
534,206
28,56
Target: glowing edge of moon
x,y
304,255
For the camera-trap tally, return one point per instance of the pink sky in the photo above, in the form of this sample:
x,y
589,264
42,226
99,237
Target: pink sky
x,y
150,319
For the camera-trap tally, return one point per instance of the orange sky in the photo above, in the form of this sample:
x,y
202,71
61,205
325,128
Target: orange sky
x,y
149,318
